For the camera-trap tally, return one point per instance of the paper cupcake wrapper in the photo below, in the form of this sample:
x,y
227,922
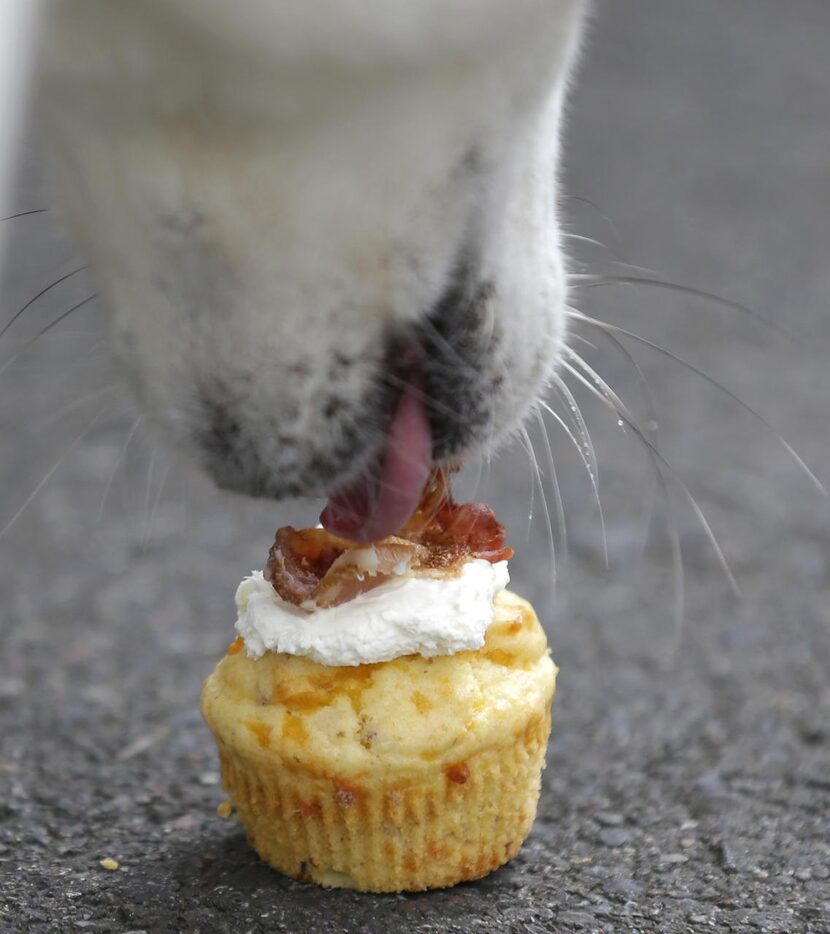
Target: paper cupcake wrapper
x,y
460,822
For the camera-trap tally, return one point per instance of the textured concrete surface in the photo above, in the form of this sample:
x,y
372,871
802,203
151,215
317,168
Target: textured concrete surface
x,y
689,777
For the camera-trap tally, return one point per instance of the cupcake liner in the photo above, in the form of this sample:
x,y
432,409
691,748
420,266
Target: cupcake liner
x,y
457,822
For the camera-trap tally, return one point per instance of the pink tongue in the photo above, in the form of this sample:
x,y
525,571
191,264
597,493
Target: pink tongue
x,y
369,510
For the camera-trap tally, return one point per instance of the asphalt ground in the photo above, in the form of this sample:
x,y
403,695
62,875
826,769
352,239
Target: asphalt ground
x,y
688,784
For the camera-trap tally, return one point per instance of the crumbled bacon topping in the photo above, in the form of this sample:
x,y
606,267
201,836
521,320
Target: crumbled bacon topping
x,y
313,568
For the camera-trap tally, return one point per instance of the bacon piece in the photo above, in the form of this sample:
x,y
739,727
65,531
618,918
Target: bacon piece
x,y
313,568
299,559
362,568
438,522
434,499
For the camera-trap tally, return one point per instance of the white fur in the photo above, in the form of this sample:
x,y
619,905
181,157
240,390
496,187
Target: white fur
x,y
267,188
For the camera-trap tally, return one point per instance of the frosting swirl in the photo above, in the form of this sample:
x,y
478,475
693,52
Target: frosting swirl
x,y
406,615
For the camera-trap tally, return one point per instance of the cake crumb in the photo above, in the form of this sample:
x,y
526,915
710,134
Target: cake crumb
x,y
225,809
109,863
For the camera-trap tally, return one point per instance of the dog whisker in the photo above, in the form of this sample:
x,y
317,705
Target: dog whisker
x,y
45,330
557,493
581,199
40,294
76,404
11,217
660,468
49,473
119,459
624,416
677,564
595,384
579,238
586,449
446,344
64,315
589,470
606,327
421,394
148,530
531,496
479,468
580,280
147,492
644,271
525,439
583,340
618,259
652,422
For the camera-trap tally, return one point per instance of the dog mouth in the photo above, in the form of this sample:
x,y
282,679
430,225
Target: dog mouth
x,y
378,502
364,425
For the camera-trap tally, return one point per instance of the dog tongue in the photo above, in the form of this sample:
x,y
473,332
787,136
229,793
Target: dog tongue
x,y
371,509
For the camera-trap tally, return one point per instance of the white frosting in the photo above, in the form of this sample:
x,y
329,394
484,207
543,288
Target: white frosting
x,y
405,616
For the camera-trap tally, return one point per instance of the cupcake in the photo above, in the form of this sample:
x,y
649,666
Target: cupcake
x,y
383,714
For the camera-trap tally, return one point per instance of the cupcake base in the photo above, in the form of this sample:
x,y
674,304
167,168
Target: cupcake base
x,y
470,819
405,775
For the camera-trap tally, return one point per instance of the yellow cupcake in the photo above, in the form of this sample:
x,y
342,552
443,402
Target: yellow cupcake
x,y
403,775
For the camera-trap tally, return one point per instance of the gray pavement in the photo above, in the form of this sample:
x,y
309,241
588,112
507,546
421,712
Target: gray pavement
x,y
688,786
